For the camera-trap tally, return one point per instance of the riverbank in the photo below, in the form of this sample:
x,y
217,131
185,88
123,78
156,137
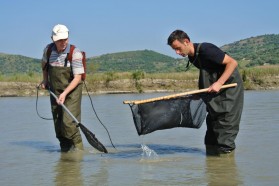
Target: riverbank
x,y
121,86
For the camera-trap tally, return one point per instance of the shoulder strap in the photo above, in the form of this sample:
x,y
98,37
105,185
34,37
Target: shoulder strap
x,y
196,54
70,55
198,49
70,58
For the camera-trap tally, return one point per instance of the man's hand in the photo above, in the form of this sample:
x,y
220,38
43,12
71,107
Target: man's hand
x,y
215,87
61,99
44,84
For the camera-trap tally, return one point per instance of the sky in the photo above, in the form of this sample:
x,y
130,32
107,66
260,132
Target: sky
x,y
107,26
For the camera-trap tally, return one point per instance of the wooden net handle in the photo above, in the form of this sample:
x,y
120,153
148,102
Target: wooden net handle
x,y
175,95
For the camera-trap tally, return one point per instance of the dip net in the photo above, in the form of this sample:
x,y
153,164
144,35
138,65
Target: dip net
x,y
186,110
166,114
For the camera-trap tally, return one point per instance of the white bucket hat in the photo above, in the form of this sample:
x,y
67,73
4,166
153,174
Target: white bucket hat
x,y
60,32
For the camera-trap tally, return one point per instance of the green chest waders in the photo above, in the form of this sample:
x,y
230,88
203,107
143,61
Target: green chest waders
x,y
66,131
224,109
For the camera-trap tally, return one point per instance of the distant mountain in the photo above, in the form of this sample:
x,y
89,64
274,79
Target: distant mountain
x,y
255,51
249,52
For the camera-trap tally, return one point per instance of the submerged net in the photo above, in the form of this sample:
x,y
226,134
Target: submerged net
x,y
188,111
92,140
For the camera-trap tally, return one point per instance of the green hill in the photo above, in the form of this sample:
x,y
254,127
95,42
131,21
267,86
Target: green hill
x,y
254,51
12,64
143,60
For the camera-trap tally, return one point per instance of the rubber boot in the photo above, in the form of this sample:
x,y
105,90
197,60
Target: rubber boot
x,y
212,150
65,144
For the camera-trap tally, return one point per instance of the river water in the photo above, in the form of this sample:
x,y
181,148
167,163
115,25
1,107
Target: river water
x,y
30,152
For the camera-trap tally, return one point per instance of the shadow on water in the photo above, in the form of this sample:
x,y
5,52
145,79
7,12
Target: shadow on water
x,y
174,149
39,145
121,151
135,150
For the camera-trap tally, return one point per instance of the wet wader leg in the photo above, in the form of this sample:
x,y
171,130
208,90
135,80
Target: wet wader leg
x,y
66,131
71,131
65,144
224,112
210,136
222,127
228,126
210,139
225,130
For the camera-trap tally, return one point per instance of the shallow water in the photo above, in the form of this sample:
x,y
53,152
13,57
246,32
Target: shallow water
x,y
30,152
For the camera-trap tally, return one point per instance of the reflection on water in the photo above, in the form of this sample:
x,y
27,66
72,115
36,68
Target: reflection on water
x,y
222,171
176,163
68,169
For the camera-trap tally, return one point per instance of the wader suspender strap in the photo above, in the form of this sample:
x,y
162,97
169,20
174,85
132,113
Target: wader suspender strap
x,y
198,49
66,60
70,58
197,54
69,55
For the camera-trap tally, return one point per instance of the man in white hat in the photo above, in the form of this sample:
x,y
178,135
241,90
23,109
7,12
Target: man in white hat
x,y
63,77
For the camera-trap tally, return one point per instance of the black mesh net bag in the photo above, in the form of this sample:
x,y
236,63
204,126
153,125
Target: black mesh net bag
x,y
188,111
185,109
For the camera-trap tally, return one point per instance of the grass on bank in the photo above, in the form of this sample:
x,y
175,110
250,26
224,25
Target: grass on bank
x,y
108,76
252,77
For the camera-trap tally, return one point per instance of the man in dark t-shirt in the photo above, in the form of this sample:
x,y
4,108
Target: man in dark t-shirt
x,y
224,106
